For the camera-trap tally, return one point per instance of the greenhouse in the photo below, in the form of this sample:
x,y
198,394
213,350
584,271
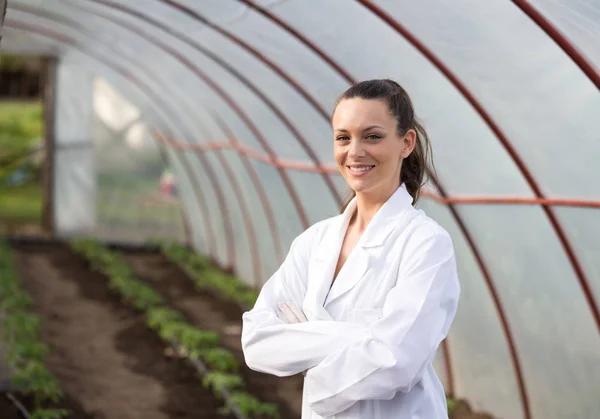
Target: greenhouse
x,y
159,158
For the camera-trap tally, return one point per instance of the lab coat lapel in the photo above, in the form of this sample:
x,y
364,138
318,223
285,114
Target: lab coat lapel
x,y
374,236
323,266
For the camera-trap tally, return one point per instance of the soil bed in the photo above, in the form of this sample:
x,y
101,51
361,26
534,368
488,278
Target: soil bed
x,y
106,360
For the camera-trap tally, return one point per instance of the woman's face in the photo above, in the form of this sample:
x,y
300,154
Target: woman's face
x,y
367,147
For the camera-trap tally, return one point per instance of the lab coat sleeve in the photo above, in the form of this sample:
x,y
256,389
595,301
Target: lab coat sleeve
x,y
272,346
417,315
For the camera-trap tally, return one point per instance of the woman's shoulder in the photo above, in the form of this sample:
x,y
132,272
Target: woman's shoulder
x,y
423,230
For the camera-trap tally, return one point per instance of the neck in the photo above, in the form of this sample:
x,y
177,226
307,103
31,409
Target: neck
x,y
367,205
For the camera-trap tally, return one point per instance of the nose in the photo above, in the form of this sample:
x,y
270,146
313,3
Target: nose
x,y
356,149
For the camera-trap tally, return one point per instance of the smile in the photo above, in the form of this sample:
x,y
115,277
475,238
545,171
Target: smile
x,y
360,170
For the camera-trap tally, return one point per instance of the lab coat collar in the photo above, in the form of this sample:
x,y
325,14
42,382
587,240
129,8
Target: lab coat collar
x,y
385,219
378,230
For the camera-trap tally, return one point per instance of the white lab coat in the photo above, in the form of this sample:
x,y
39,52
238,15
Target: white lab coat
x,y
369,343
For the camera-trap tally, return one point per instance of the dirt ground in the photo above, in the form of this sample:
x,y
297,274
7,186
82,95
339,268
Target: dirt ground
x,y
104,356
206,311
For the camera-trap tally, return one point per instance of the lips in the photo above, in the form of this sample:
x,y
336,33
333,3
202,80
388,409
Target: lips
x,y
360,170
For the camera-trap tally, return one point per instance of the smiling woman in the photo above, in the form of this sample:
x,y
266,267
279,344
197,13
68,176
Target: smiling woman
x,y
363,299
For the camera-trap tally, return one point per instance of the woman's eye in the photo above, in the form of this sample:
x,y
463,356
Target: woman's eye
x,y
373,137
342,138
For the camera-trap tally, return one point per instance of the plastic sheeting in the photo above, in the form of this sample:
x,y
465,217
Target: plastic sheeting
x,y
236,96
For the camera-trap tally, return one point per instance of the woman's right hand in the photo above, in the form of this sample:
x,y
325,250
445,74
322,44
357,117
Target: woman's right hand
x,y
289,313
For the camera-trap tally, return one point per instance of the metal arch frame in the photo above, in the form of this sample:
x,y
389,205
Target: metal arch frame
x,y
462,226
189,237
556,226
238,75
227,225
257,266
231,248
197,189
503,139
266,204
311,45
561,40
255,53
65,40
227,99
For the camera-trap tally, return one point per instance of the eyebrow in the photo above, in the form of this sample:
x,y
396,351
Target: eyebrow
x,y
370,127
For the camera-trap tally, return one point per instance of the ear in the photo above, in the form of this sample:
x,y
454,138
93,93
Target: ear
x,y
408,143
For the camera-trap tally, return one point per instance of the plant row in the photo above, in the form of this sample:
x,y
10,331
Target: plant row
x,y
217,365
209,277
26,351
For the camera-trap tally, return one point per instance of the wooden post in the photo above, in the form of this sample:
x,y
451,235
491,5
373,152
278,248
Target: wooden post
x,y
49,102
2,14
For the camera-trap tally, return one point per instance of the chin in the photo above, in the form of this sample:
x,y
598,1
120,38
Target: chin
x,y
359,187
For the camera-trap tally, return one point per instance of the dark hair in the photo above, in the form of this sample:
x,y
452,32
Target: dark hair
x,y
419,162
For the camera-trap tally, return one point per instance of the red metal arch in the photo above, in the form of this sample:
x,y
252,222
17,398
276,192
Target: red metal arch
x,y
61,38
256,181
227,224
211,241
187,168
298,35
251,171
237,74
466,93
458,219
220,92
576,55
256,263
257,54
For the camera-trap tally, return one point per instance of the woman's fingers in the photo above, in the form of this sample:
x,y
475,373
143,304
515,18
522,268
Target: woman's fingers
x,y
297,313
287,312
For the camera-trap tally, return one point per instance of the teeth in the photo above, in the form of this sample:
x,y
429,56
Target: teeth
x,y
360,169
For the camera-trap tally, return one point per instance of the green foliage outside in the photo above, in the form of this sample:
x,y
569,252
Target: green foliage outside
x,y
189,341
21,331
21,128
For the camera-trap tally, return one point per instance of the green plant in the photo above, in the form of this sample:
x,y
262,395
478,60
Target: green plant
x,y
161,317
27,350
15,300
21,331
34,378
49,414
219,359
21,326
207,276
252,407
217,381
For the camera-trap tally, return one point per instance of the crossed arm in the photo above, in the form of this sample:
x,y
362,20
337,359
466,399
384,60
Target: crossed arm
x,y
346,362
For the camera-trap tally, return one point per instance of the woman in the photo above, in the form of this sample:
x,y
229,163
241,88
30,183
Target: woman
x,y
363,299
